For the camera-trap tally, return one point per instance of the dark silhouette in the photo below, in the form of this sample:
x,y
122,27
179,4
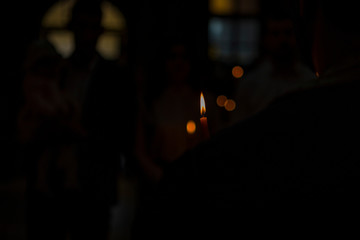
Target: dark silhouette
x,y
170,125
290,170
278,70
76,123
163,135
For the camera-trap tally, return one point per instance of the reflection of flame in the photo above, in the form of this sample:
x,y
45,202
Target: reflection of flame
x,y
202,105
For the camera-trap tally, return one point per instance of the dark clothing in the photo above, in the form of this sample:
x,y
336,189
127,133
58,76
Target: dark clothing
x,y
287,170
81,208
109,117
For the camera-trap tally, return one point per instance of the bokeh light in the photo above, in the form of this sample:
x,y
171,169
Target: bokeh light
x,y
221,7
237,72
56,18
191,127
230,105
220,100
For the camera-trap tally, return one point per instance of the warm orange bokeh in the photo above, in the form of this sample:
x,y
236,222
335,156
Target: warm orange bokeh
x,y
220,100
237,72
230,105
191,127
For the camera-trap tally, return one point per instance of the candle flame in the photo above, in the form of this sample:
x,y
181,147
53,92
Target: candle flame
x,y
202,105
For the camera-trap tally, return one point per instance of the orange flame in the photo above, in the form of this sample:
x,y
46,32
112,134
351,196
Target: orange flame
x,y
202,105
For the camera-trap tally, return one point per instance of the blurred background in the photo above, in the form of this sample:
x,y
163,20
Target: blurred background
x,y
168,52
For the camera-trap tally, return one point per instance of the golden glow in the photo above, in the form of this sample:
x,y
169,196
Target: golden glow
x,y
55,22
221,7
230,105
227,7
63,41
317,74
191,127
59,15
112,18
109,45
202,105
237,72
220,100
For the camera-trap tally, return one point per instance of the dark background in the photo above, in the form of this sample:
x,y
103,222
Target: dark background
x,y
146,22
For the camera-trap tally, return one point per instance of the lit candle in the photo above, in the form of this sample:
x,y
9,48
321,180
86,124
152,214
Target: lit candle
x,y
203,119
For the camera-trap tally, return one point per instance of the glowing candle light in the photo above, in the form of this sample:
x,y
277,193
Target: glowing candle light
x,y
191,127
203,119
237,72
230,105
221,100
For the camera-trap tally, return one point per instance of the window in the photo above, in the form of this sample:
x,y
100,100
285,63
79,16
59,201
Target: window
x,y
233,31
110,43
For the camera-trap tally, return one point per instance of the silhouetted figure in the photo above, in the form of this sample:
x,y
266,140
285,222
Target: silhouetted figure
x,y
169,125
84,127
292,169
42,125
177,103
279,69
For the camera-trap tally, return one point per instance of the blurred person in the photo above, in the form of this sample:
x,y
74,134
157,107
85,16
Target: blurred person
x,y
169,125
176,103
82,124
292,170
43,123
278,70
13,184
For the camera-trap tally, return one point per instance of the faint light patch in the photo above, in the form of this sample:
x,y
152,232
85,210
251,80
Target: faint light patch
x,y
221,7
237,72
63,41
55,20
191,127
220,100
109,45
230,105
